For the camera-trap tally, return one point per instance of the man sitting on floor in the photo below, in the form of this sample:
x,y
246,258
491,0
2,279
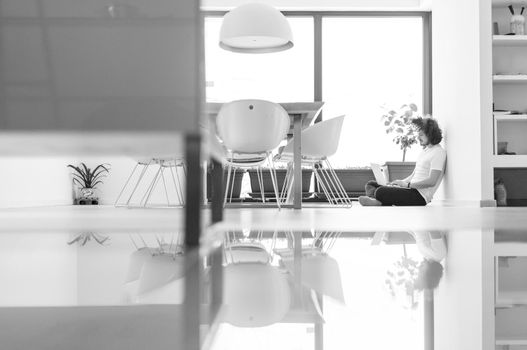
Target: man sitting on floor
x,y
418,188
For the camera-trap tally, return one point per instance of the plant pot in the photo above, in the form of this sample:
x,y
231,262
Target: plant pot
x,y
280,175
86,196
237,187
354,180
399,170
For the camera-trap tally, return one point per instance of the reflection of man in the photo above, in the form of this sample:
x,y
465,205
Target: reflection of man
x,y
433,248
418,188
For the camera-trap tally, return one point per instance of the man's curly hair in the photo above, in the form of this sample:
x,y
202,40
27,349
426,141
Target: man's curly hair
x,y
431,129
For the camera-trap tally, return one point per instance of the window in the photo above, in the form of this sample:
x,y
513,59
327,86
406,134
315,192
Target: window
x,y
370,63
285,76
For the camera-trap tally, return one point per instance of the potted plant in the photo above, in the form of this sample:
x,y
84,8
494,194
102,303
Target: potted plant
x,y
353,179
236,176
280,176
87,181
399,123
400,280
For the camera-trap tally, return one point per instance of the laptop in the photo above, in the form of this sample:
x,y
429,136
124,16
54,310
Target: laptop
x,y
379,173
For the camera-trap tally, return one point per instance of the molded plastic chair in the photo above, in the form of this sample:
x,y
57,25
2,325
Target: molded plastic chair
x,y
319,142
250,130
140,191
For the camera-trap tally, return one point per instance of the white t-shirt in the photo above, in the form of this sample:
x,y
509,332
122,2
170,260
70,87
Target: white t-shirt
x,y
431,158
431,245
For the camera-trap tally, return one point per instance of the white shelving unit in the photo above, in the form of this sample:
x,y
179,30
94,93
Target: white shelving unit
x,y
510,293
509,55
509,40
510,78
504,3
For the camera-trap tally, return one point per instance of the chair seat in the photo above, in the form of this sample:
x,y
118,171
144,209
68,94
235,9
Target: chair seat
x,y
247,159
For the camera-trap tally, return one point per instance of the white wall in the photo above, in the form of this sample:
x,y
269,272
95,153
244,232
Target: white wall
x,y
462,93
34,181
464,300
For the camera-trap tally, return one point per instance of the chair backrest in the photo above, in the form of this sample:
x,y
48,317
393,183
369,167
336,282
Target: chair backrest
x,y
321,139
252,126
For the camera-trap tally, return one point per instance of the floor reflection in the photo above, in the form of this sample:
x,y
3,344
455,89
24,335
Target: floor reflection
x,y
348,286
280,290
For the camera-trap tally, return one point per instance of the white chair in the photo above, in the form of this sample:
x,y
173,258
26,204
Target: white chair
x,y
319,142
319,271
154,273
250,130
255,293
138,192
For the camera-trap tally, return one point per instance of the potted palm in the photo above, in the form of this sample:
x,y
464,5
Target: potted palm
x,y
87,181
399,123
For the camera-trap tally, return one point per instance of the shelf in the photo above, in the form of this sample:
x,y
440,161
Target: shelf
x,y
505,3
509,40
510,78
512,340
511,299
509,161
511,249
510,117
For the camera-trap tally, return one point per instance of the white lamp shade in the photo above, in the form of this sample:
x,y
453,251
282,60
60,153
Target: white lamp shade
x,y
254,294
255,28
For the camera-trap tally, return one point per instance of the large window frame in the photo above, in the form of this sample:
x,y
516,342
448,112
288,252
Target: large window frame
x,y
317,38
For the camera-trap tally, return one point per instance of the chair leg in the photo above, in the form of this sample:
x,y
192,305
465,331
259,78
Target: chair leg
x,y
284,195
141,175
331,185
164,184
227,184
322,183
260,182
339,184
153,185
125,185
274,179
182,194
232,184
177,186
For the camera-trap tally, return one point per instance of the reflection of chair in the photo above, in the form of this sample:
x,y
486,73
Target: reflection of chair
x,y
255,294
250,131
145,182
319,142
319,271
155,273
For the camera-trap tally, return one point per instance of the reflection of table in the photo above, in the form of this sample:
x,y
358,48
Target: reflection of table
x,y
302,115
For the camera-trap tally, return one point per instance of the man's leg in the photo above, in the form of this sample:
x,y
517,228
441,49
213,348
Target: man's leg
x,y
391,195
370,188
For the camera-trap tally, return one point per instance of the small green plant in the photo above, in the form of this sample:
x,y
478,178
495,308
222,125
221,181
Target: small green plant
x,y
399,123
88,178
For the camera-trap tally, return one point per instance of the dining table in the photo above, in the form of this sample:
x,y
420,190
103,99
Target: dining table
x,y
302,115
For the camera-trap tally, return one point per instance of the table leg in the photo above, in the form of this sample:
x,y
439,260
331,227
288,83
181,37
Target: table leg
x,y
297,162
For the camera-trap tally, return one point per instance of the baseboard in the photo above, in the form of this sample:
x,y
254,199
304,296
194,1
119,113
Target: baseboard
x,y
47,203
486,203
456,203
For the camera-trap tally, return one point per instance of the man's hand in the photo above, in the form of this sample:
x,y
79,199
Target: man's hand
x,y
399,183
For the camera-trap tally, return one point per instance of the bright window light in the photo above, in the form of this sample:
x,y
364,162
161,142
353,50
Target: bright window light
x,y
368,63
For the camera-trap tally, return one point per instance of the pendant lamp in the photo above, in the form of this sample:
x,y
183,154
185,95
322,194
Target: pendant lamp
x,y
255,28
